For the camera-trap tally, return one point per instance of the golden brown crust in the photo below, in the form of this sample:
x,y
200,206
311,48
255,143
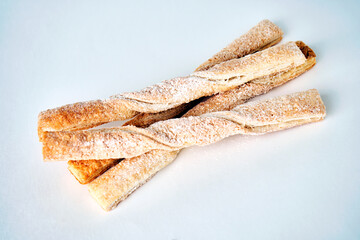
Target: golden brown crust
x,y
86,171
175,134
306,50
82,115
265,33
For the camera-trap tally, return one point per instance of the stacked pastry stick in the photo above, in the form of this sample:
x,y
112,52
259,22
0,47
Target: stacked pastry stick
x,y
201,108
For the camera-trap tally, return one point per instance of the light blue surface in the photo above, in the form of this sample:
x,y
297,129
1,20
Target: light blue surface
x,y
302,183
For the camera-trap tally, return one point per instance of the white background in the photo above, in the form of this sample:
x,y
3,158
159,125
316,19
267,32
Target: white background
x,y
303,183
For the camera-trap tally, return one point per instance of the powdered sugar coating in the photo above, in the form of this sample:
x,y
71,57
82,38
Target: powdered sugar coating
x,y
174,134
255,65
221,77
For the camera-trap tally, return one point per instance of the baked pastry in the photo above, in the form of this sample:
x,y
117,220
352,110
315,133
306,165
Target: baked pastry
x,y
233,82
120,107
87,170
174,134
120,181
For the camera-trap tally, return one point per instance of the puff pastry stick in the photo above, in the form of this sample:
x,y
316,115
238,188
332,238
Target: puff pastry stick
x,y
120,181
175,134
171,93
87,170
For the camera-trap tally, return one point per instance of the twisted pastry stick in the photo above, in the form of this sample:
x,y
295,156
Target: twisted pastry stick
x,y
120,181
263,35
222,77
174,134
87,170
171,93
